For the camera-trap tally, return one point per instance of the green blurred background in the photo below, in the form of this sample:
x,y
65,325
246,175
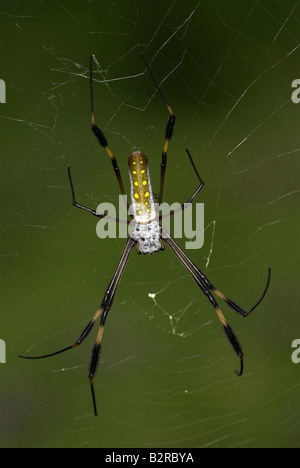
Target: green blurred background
x,y
166,375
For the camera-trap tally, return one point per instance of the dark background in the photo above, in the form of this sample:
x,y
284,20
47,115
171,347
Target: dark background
x,y
166,376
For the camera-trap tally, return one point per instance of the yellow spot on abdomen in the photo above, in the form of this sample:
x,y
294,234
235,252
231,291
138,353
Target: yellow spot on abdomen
x,y
142,199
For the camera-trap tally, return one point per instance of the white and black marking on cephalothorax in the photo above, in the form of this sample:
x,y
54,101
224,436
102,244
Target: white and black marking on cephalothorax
x,y
148,236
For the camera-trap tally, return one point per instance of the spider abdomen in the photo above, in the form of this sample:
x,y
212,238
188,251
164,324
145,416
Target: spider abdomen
x,y
142,200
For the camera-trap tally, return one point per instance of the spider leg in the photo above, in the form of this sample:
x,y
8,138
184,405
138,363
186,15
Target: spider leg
x,y
201,182
100,135
238,308
168,133
105,308
163,165
206,287
85,332
78,205
85,208
102,312
191,198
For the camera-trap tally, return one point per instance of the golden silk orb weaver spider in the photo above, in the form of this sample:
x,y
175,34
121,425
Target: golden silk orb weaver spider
x,y
149,236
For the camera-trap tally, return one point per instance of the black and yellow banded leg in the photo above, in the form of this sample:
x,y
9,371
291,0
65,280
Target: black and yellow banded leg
x,y
163,165
231,336
235,306
100,135
229,333
101,312
207,288
83,335
207,284
95,353
105,308
168,133
95,357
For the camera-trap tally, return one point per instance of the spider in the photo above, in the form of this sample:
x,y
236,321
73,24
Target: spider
x,y
149,236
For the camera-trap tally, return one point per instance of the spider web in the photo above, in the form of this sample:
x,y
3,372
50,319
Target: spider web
x,y
166,374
